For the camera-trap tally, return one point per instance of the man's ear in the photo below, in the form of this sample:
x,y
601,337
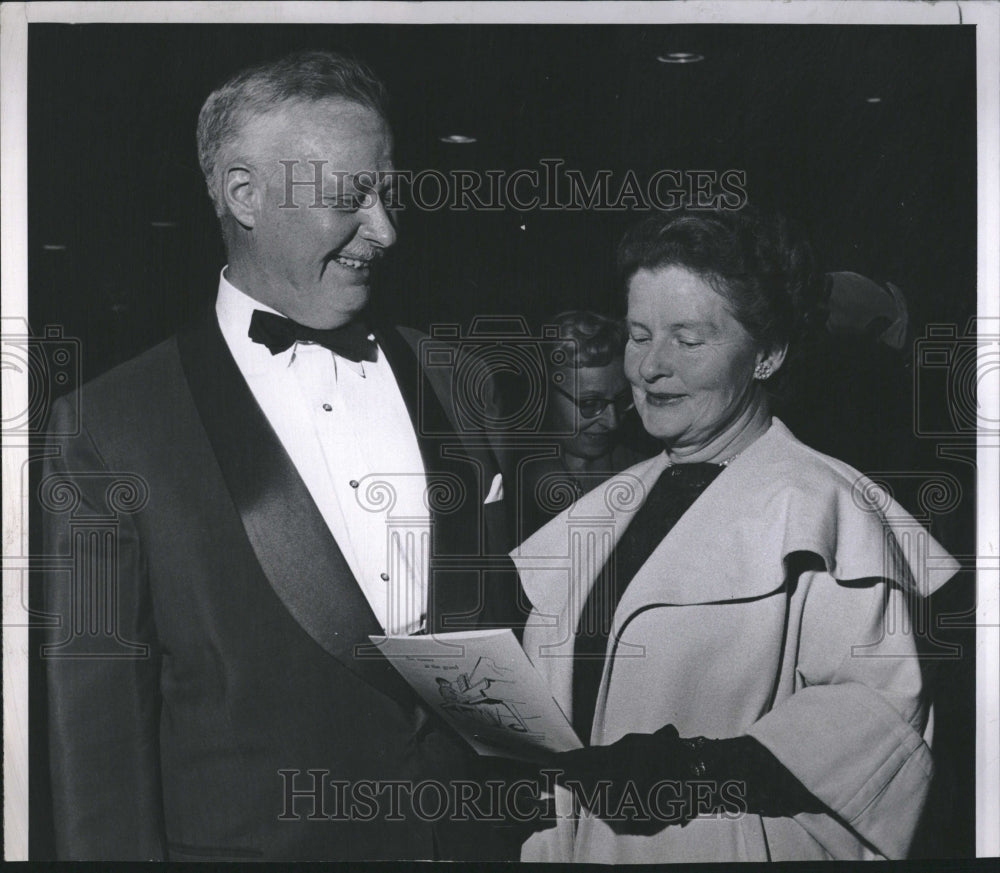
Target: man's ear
x,y
241,190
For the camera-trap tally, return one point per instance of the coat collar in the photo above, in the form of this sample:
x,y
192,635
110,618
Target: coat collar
x,y
778,498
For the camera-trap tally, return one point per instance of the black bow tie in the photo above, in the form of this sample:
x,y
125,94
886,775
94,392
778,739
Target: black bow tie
x,y
279,333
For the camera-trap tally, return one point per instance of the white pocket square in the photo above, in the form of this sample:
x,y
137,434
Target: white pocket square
x,y
496,490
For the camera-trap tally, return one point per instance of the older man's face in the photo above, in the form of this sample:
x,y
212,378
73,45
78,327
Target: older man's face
x,y
315,261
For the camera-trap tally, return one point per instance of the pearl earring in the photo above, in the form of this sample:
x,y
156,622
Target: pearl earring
x,y
762,371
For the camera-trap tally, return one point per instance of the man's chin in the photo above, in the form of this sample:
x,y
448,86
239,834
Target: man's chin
x,y
338,307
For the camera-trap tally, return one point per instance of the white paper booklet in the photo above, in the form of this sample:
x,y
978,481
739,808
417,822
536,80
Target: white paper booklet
x,y
483,684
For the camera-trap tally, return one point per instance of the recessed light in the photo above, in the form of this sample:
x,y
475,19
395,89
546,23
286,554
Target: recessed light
x,y
163,223
53,247
458,139
873,99
680,58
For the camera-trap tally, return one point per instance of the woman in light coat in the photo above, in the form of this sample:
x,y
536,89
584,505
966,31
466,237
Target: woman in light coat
x,y
728,624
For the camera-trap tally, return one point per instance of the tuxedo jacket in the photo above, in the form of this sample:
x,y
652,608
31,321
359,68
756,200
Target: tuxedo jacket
x,y
212,691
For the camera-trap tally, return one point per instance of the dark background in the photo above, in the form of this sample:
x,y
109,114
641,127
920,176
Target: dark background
x,y
887,189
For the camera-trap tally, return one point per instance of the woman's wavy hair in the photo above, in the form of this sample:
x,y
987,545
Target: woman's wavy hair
x,y
589,339
756,260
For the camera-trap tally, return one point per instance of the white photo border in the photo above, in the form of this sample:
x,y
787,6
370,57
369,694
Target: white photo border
x,y
14,253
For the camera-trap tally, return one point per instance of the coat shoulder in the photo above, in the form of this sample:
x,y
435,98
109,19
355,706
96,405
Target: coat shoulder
x,y
787,464
807,501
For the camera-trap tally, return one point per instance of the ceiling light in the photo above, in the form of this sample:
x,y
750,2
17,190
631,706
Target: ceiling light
x,y
873,99
458,139
53,247
680,58
163,223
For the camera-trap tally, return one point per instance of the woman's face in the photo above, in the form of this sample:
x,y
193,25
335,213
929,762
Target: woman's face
x,y
594,437
689,360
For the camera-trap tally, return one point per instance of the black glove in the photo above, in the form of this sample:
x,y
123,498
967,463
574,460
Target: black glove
x,y
756,779
646,782
637,785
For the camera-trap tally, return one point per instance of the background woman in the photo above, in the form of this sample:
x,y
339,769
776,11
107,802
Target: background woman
x,y
739,586
588,402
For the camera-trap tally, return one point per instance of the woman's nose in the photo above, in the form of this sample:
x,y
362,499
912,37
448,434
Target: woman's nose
x,y
656,363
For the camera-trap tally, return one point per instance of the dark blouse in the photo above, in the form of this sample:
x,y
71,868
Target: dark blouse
x,y
670,497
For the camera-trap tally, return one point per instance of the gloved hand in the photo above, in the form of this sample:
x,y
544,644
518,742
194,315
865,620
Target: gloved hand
x,y
638,784
645,782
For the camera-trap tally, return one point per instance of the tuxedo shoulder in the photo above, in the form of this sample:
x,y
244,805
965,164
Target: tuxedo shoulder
x,y
138,400
138,378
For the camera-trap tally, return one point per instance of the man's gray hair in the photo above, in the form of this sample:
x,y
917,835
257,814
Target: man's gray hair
x,y
299,77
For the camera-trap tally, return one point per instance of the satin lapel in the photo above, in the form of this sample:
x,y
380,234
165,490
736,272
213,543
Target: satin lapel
x,y
456,593
296,550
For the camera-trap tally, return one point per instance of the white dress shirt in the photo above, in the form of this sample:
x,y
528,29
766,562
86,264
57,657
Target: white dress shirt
x,y
346,429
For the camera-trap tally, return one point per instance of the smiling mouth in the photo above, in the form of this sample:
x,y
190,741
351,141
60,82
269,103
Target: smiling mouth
x,y
656,398
353,263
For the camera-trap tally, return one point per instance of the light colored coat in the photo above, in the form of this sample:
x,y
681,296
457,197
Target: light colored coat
x,y
720,636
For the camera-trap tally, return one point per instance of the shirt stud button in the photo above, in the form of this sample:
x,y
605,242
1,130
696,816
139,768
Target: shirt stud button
x,y
384,577
353,483
327,407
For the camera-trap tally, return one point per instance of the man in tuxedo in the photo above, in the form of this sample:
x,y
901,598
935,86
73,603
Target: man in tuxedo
x,y
244,504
